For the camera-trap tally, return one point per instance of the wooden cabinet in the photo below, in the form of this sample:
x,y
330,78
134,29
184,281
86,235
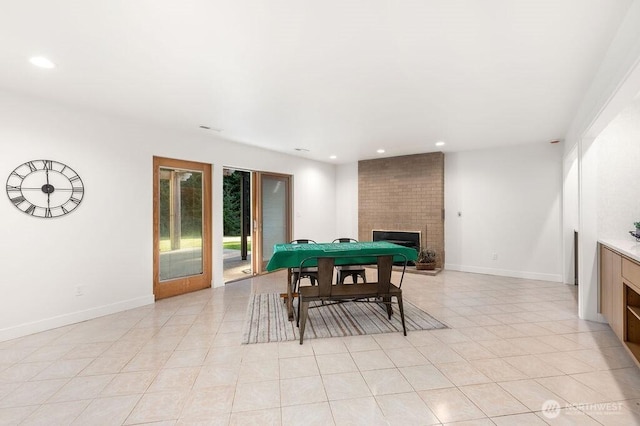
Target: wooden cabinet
x,y
611,291
619,300
631,299
606,282
632,320
630,271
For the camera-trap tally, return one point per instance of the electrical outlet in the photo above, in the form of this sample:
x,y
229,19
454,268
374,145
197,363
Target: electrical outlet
x,y
494,256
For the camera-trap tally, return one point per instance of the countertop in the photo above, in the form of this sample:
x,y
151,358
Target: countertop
x,y
627,247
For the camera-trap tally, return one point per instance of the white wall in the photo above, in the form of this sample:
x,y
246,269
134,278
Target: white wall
x,y
347,201
509,200
106,244
618,172
314,201
612,89
615,84
570,214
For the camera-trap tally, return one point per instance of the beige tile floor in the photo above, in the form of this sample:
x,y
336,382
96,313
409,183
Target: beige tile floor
x,y
514,347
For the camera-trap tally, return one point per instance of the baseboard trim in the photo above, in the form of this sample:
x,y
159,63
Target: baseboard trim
x,y
506,273
72,318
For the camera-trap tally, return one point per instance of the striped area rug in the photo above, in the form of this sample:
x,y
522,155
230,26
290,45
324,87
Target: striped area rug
x,y
266,320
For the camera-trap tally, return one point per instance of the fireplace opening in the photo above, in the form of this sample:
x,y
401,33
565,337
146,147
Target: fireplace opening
x,y
409,239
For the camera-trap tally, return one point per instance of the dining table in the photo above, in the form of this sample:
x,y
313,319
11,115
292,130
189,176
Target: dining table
x,y
360,253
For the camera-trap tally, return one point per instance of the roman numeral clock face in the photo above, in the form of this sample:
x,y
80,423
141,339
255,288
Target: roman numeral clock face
x,y
45,188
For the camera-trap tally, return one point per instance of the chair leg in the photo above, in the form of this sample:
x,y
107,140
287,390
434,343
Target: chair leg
x,y
399,298
387,302
291,290
294,281
303,316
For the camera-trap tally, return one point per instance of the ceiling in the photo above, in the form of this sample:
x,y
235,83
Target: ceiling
x,y
334,77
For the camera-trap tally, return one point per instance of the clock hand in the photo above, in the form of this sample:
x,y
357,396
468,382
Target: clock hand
x,y
48,192
40,189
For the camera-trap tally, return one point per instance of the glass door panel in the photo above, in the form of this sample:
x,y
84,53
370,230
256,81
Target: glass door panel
x,y
272,215
180,223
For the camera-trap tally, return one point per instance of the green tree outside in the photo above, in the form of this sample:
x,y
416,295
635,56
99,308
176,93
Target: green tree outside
x,y
191,206
232,204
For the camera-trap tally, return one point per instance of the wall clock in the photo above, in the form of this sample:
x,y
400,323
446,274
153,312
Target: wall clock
x,y
45,188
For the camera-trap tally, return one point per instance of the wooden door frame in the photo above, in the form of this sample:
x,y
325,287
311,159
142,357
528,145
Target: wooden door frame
x,y
194,282
256,211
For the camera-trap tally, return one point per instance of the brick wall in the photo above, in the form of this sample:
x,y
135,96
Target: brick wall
x,y
404,194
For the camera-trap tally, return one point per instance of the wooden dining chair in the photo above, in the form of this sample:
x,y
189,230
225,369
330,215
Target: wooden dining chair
x,y
381,291
353,271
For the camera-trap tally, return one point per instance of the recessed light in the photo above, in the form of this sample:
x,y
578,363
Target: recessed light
x,y
333,157
440,143
42,62
380,151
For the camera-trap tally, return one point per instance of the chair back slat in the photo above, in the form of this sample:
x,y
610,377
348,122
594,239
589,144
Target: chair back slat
x,y
345,240
303,241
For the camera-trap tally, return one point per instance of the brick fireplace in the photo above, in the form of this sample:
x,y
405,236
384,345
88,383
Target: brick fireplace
x,y
403,193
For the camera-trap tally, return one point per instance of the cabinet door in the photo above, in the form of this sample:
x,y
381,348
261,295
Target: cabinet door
x,y
611,290
618,307
606,284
